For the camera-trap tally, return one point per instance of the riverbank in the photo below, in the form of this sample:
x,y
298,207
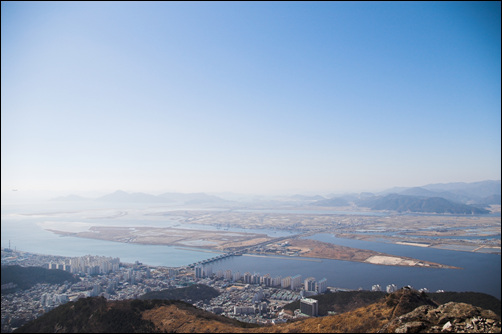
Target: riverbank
x,y
247,242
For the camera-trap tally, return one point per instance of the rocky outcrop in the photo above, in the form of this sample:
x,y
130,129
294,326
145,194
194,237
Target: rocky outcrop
x,y
447,318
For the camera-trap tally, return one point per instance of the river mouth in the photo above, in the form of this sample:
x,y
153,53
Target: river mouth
x,y
481,271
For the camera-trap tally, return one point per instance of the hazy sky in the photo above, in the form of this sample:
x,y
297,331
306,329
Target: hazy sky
x,y
267,97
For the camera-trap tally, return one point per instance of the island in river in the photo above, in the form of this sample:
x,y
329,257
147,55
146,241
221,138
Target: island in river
x,y
241,242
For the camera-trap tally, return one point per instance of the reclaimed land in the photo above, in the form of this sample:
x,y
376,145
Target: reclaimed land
x,y
324,250
224,241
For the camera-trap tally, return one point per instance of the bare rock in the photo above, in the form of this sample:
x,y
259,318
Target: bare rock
x,y
447,318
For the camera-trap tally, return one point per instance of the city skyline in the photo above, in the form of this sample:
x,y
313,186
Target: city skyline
x,y
253,98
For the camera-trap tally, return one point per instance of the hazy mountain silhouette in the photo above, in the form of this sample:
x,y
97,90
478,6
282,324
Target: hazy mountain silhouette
x,y
122,196
458,191
482,193
402,203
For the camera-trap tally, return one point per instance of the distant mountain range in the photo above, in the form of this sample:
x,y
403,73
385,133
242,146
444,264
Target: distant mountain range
x,y
332,202
467,193
403,203
453,198
120,196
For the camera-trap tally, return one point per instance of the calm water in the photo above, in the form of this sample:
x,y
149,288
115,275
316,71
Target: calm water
x,y
481,273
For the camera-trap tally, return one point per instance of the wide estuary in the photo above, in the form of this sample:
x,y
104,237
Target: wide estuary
x,y
481,272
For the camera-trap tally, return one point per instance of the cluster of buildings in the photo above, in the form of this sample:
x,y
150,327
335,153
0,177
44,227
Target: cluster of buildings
x,y
21,307
247,297
389,289
392,288
248,302
310,285
128,281
91,265
309,306
259,298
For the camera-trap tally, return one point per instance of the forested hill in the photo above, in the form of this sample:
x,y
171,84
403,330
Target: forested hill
x,y
190,294
26,277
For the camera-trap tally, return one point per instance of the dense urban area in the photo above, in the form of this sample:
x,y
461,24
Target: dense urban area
x,y
248,297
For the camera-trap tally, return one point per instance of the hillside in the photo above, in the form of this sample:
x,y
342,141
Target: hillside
x,y
332,202
190,294
493,199
344,301
403,311
403,203
26,277
474,298
97,315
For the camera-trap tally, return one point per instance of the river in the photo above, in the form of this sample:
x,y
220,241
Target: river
x,y
480,273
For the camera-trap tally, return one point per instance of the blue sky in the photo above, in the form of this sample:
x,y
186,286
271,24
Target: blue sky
x,y
267,97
